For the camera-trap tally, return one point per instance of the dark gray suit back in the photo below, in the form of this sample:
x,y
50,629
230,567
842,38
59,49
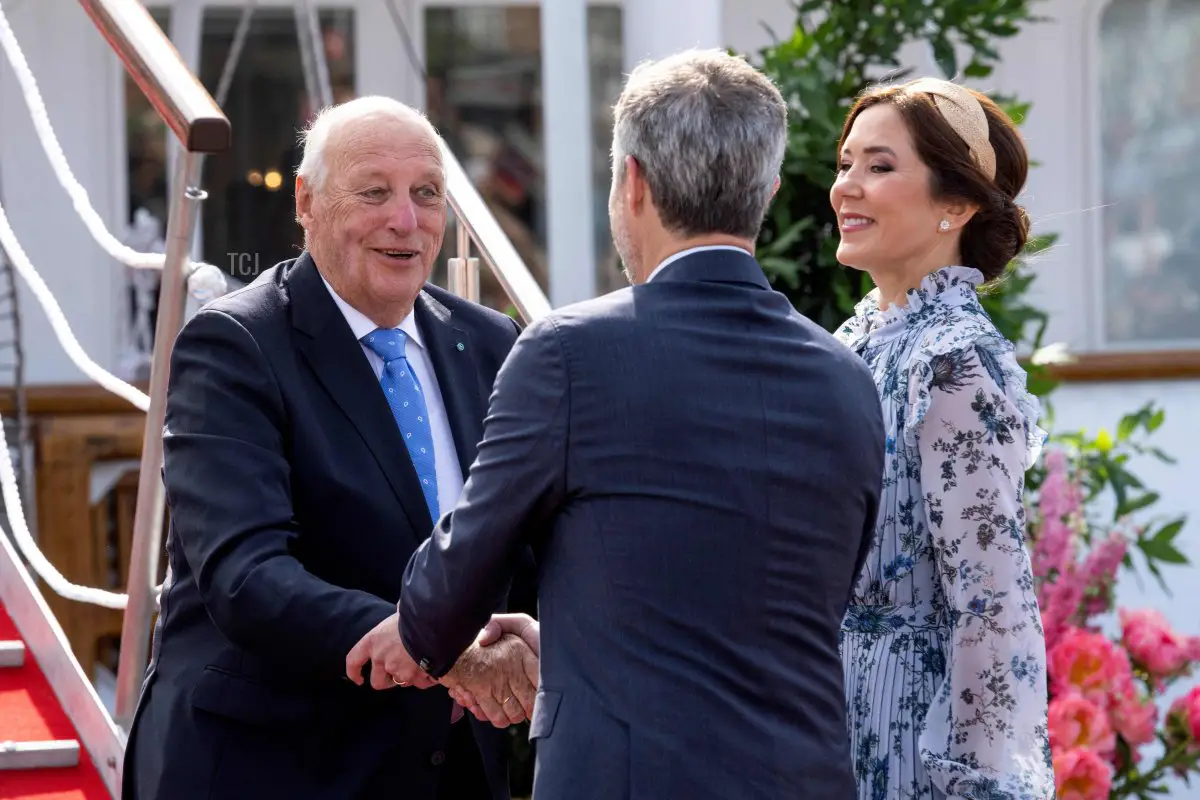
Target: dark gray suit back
x,y
723,467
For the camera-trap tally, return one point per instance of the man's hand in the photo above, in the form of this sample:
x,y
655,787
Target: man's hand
x,y
499,681
522,626
391,665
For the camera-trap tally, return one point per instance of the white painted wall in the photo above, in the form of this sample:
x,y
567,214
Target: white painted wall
x,y
656,28
1061,196
749,24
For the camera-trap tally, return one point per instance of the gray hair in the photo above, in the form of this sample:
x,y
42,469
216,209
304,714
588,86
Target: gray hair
x,y
314,168
709,131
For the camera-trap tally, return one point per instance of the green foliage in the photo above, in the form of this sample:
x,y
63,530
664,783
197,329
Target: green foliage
x,y
832,53
1103,461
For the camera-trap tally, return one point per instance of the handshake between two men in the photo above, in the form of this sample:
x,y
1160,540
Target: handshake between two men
x,y
341,416
496,679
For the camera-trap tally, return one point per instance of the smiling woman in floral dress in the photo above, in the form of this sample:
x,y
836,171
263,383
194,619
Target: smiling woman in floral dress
x,y
943,648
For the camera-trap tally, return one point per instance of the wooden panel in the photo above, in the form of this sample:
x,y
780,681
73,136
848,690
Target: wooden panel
x,y
73,533
60,399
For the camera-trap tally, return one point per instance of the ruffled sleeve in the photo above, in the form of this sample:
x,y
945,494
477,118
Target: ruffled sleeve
x,y
855,331
944,358
975,428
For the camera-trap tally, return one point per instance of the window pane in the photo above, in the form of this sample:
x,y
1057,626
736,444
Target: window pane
x,y
484,95
1150,116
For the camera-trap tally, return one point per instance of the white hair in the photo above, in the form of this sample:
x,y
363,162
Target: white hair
x,y
314,164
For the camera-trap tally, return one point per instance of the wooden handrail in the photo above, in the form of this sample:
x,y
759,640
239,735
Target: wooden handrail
x,y
157,68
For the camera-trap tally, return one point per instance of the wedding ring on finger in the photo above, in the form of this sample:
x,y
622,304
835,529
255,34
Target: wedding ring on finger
x,y
506,700
401,684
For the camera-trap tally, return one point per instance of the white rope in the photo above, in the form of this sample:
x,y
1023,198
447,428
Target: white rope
x,y
62,328
202,277
29,548
8,479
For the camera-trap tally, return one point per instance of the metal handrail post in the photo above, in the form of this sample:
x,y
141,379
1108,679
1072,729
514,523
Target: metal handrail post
x,y
469,271
462,271
472,280
151,500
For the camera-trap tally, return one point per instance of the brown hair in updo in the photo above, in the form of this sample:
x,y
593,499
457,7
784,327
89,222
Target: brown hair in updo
x,y
999,229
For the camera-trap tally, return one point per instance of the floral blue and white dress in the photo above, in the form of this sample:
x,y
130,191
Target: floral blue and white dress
x,y
942,647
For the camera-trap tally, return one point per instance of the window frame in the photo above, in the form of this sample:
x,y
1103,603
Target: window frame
x,y
1113,360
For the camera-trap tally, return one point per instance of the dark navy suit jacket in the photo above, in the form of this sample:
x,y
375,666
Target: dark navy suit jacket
x,y
294,508
699,468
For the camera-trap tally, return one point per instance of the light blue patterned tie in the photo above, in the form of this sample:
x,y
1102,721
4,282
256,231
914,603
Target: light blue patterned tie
x,y
407,401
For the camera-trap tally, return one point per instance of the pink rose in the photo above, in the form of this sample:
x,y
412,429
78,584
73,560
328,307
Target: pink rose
x,y
1081,775
1088,663
1184,715
1154,645
1134,718
1076,722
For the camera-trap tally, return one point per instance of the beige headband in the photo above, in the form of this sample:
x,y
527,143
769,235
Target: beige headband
x,y
965,115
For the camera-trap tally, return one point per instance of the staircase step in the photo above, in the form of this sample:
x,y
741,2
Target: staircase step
x,y
39,755
12,654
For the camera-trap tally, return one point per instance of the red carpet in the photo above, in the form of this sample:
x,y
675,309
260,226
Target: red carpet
x,y
30,712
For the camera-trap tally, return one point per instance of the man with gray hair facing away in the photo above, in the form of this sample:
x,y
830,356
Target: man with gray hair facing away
x,y
698,469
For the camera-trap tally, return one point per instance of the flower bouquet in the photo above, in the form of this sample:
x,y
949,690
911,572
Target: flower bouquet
x,y
1103,714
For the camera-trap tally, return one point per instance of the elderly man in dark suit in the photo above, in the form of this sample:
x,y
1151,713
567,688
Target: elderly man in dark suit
x,y
318,423
698,467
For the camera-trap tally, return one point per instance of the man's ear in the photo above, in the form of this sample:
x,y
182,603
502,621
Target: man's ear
x,y
774,187
304,200
635,190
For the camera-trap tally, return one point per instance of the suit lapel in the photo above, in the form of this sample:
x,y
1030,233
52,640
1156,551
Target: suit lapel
x,y
453,359
337,359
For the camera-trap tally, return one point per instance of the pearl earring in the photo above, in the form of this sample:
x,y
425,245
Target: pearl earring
x,y
944,225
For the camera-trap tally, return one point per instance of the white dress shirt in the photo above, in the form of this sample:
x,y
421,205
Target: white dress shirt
x,y
445,454
689,251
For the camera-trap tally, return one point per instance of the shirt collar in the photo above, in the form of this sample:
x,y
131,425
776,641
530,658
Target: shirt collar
x,y
672,259
361,324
